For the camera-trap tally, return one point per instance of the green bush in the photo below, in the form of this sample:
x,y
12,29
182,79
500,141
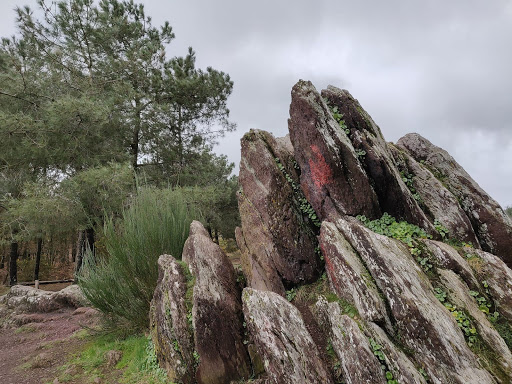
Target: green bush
x,y
120,280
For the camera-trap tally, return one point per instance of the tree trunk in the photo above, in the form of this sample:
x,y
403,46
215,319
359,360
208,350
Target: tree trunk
x,y
80,250
2,259
13,264
216,234
38,258
134,145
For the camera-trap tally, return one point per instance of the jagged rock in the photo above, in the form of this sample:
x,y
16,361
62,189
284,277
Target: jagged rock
x,y
170,329
393,195
424,325
71,296
498,276
448,258
279,332
28,299
492,226
348,277
331,175
277,242
438,201
459,296
216,312
401,367
358,361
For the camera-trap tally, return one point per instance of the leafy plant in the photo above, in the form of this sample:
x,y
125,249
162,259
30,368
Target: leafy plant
x,y
121,281
290,295
441,229
377,351
360,153
408,178
338,116
403,231
303,205
463,320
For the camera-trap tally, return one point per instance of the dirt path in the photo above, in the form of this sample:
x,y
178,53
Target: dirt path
x,y
35,345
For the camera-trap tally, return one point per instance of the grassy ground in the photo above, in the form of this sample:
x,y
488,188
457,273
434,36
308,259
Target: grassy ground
x,y
4,290
136,366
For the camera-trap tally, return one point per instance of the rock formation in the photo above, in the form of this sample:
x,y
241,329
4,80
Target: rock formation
x,y
365,262
28,299
199,337
492,226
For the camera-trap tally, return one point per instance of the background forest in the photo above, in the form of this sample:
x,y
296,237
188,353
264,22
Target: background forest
x,y
93,113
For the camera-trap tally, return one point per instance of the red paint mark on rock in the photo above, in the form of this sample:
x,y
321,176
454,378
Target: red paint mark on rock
x,y
321,173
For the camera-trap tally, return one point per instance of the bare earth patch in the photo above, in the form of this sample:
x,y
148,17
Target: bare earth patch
x,y
36,345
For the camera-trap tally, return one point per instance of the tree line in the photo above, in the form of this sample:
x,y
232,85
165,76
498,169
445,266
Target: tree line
x,y
91,107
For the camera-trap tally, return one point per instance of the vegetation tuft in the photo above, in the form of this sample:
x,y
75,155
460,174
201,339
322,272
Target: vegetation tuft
x,y
138,364
121,280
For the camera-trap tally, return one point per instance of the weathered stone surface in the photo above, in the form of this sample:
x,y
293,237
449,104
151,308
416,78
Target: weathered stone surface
x,y
278,244
498,276
424,325
28,299
401,367
331,175
448,258
217,311
71,296
348,277
358,362
288,351
492,226
438,201
459,295
393,195
170,329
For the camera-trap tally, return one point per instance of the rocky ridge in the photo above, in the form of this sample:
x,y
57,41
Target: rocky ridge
x,y
363,261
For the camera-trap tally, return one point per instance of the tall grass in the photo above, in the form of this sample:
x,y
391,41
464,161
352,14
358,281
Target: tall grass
x,y
120,280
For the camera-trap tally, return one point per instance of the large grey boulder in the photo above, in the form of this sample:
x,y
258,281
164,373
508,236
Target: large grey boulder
x,y
277,240
359,363
498,278
171,331
348,277
459,295
216,312
425,326
437,200
448,258
492,226
289,353
28,299
332,177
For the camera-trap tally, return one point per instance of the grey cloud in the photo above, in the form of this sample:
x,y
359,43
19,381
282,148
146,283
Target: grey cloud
x,y
439,68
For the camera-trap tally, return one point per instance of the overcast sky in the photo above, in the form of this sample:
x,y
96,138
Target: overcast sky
x,y
440,68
